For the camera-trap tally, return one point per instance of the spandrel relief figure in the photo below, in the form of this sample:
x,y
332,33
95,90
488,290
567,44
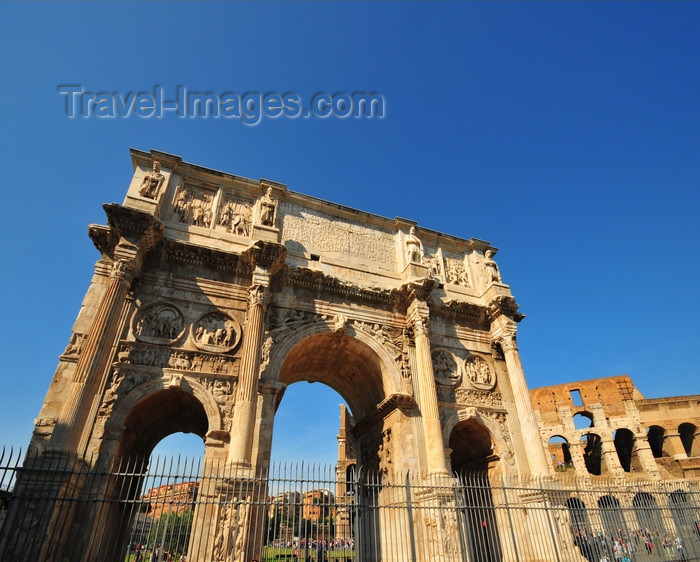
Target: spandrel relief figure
x,y
414,247
493,275
268,208
152,181
76,344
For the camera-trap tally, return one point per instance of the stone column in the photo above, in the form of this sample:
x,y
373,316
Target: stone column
x,y
576,452
644,454
503,331
247,387
609,457
96,354
674,446
426,391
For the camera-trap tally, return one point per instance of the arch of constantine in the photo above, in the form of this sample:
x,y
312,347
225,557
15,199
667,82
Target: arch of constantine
x,y
214,292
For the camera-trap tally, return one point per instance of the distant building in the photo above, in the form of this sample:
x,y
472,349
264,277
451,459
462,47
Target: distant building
x,y
606,427
171,498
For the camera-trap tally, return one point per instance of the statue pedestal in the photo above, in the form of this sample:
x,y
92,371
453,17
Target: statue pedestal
x,y
265,233
415,270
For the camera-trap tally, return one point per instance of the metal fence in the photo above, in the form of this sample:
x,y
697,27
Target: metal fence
x,y
59,509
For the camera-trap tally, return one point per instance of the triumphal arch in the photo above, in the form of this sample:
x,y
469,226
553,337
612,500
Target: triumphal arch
x,y
214,292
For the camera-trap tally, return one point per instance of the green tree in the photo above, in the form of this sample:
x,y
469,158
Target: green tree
x,y
172,531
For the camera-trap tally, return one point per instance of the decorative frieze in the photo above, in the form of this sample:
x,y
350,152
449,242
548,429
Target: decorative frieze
x,y
447,368
193,206
165,357
481,398
456,273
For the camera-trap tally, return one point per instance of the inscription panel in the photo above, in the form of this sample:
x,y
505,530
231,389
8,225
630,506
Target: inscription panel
x,y
326,233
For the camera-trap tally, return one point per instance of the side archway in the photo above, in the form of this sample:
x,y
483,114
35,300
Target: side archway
x,y
154,410
473,454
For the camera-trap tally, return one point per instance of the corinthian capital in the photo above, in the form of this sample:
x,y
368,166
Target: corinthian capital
x,y
124,270
419,317
257,296
508,341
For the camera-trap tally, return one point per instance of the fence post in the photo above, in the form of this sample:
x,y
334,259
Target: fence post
x,y
510,518
547,509
359,493
460,524
411,532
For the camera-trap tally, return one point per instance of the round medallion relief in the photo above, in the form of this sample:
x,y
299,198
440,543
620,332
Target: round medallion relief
x,y
216,332
158,323
479,372
447,371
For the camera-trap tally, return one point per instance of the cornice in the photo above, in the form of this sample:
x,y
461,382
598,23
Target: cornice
x,y
472,313
267,255
504,305
138,227
305,278
402,402
138,230
183,253
104,238
420,289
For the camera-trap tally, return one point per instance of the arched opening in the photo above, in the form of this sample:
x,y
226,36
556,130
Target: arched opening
x,y
559,453
578,514
157,416
655,436
307,441
353,370
683,512
345,364
687,433
472,456
581,529
145,509
626,451
306,426
592,453
472,448
583,420
648,515
611,514
164,518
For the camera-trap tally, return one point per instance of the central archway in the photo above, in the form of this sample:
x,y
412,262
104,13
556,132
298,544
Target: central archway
x,y
344,363
362,371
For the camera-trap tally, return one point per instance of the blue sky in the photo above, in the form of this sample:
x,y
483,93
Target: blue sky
x,y
566,134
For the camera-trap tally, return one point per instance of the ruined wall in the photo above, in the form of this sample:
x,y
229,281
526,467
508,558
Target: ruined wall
x,y
625,432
